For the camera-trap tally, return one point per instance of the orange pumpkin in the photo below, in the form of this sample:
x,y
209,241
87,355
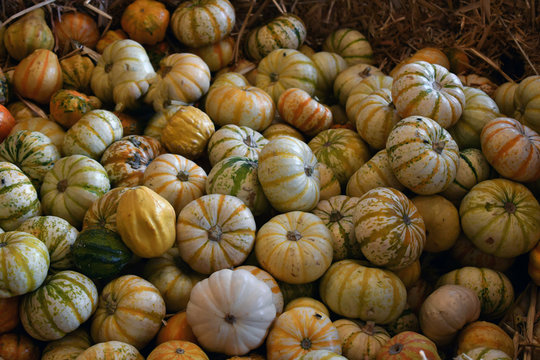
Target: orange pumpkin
x,y
176,328
130,124
177,350
68,106
145,21
9,308
78,27
18,347
110,37
484,334
6,122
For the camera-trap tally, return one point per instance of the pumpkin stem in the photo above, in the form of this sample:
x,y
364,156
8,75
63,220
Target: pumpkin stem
x,y
215,233
165,70
293,235
335,216
249,141
510,207
110,305
135,161
407,219
308,170
369,328
395,349
437,86
274,77
305,344
3,244
180,351
62,185
438,147
108,68
183,175
229,318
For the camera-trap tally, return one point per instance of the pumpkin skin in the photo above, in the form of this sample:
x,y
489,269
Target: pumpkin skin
x,y
288,174
18,197
308,302
526,102
215,232
409,275
177,350
493,288
231,311
130,309
78,27
500,217
322,355
67,348
466,254
407,345
360,341
299,331
429,90
27,34
77,73
351,45
64,301
18,347
364,88
534,264
371,294
422,155
232,140
329,185
328,65
102,212
283,69
512,149
10,310
111,350
38,76
176,328
145,21
48,128
282,129
217,55
446,311
350,78
484,334
71,186
429,54
483,353
389,228
68,106
292,236
21,111
7,122
407,321
126,160
504,96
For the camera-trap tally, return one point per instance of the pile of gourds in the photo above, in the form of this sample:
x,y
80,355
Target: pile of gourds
x,y
281,207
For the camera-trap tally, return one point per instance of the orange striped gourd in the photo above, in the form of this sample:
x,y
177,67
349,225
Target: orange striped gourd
x,y
347,80
305,301
360,341
177,350
408,345
102,212
111,350
299,109
504,97
78,27
217,55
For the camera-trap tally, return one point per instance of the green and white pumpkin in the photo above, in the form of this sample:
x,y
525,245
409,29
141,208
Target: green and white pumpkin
x,y
350,78
328,65
351,45
233,140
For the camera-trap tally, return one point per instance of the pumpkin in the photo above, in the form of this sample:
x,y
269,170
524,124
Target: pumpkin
x,y
329,185
7,122
504,96
75,27
111,350
181,77
201,23
328,65
407,321
127,159
500,217
231,311
122,75
478,110
283,69
408,345
299,331
446,311
458,59
64,301
217,55
493,288
145,21
57,234
177,350
215,232
176,178
159,120
372,174
38,76
173,278
92,134
108,38
18,197
389,228
467,254
28,33
32,152
232,140
102,212
21,111
348,80
370,294
187,132
176,328
351,45
410,274
526,102
282,129
68,106
286,31
67,348
77,73
322,355
417,294
360,341
229,78
429,90
288,174
308,302
10,310
18,347
241,67
131,125
337,214
367,86
534,264
429,54
484,334
130,309
298,109
48,128
484,353
422,155
512,149
295,247
71,186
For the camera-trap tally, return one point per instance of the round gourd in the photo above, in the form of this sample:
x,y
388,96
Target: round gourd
x,y
176,328
68,106
349,79
484,334
431,55
18,347
360,341
159,120
232,140
282,129
69,347
7,122
108,38
308,302
75,27
28,33
526,102
102,213
407,346
328,65
504,96
77,73
366,86
145,21
218,55
409,275
111,350
177,350
351,45
329,185
48,128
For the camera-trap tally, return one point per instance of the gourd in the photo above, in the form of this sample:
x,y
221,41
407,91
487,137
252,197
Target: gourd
x,y
145,21
68,106
177,350
7,122
351,45
102,213
77,72
111,350
526,102
67,348
348,80
18,347
108,38
48,128
408,345
231,140
10,310
176,328
360,341
27,34
218,55
484,334
75,27
305,301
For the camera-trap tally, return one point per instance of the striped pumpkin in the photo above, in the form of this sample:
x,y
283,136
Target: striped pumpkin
x,y
126,160
24,263
365,88
360,341
429,90
337,214
111,350
509,225
215,232
350,78
78,27
493,288
512,149
57,234
48,128
286,31
28,33
483,333
329,184
370,294
71,186
64,301
328,65
351,45
159,120
283,69
310,302
278,129
69,347
232,140
300,110
291,236
389,228
108,38
229,79
526,102
181,77
298,331
32,152
422,155
77,73
342,150
504,97
218,55
483,353
289,175
130,309
374,173
277,296
200,23
18,197
92,134
478,110
177,350
177,179
322,355
408,345
102,212
466,254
